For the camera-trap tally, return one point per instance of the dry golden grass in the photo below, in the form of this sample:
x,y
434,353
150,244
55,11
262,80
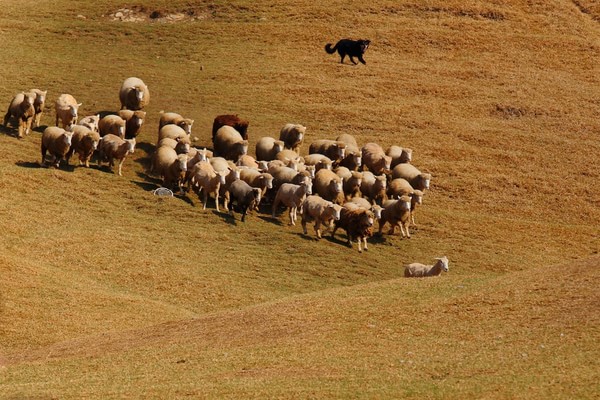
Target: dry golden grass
x,y
109,292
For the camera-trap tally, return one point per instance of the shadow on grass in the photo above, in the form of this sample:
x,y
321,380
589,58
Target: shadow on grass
x,y
271,220
226,217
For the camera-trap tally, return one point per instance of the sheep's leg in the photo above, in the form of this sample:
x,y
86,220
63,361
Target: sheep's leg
x,y
365,240
56,123
318,228
217,200
412,219
359,241
292,216
204,198
304,226
120,165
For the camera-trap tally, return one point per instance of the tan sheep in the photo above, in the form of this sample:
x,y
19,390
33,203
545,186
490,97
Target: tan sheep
x,y
112,124
257,179
22,109
328,185
418,270
57,142
66,108
208,181
229,143
399,155
84,143
361,202
288,156
171,132
320,161
133,122
353,157
267,148
292,196
319,210
293,136
416,178
181,146
351,182
374,158
91,122
335,150
171,118
247,160
374,187
396,212
399,187
171,166
112,147
38,104
134,94
282,174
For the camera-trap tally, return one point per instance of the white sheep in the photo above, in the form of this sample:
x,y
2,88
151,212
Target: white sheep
x,y
22,109
416,178
329,186
374,187
321,211
57,142
66,110
38,105
267,148
353,158
171,166
168,118
112,124
293,136
418,270
335,150
134,94
208,181
171,132
228,143
397,213
257,179
399,155
112,147
91,122
292,196
84,142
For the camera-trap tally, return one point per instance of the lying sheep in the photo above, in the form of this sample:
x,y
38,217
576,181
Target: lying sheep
x,y
396,212
171,166
171,118
234,121
133,122
335,150
418,270
84,142
112,147
358,224
267,148
112,124
66,110
293,136
374,187
320,161
292,196
257,179
374,158
328,185
399,155
22,109
319,210
353,158
245,196
38,104
134,94
171,132
57,142
416,178
229,143
208,181
91,122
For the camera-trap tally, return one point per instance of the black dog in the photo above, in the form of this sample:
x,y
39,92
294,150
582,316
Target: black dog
x,y
350,48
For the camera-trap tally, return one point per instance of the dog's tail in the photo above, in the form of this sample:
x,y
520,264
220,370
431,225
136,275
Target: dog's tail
x,y
330,49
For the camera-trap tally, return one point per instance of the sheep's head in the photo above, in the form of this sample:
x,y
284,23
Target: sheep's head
x,y
377,210
308,186
426,180
130,145
336,210
444,261
267,180
222,175
67,138
182,162
404,202
417,197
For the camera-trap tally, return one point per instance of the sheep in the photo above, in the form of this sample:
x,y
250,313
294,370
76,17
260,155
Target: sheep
x,y
361,202
229,143
91,122
21,108
245,196
374,158
66,110
282,174
207,180
399,187
38,105
267,148
329,186
134,94
57,142
133,122
416,178
232,173
113,147
351,182
288,156
374,187
112,124
415,199
181,146
399,155
335,150
234,121
319,210
171,166
293,136
84,143
255,178
247,160
320,161
353,158
292,196
396,212
418,270
171,118
358,224
171,132
194,156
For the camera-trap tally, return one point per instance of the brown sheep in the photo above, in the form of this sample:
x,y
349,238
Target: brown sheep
x,y
57,142
319,210
84,142
416,178
293,136
234,121
66,108
336,151
112,147
112,124
245,196
133,122
358,224
22,108
229,144
134,94
374,158
353,158
374,187
396,212
167,118
328,185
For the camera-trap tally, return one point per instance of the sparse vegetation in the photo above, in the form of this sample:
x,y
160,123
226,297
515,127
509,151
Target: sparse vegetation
x,y
107,291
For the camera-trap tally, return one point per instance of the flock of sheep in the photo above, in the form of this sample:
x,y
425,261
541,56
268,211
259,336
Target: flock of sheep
x,y
337,185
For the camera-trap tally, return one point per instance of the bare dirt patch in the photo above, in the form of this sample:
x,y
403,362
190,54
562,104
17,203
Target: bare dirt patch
x,y
149,14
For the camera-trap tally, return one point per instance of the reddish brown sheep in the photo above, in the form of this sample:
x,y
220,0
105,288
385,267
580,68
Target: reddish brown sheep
x,y
358,224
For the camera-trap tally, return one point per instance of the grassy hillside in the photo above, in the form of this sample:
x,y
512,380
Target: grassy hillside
x,y
108,291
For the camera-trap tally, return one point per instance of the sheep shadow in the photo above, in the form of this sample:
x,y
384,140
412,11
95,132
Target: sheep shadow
x,y
28,164
226,217
36,164
10,131
272,220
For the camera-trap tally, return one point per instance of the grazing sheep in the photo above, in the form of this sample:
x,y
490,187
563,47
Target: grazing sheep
x,y
112,124
416,178
374,187
21,108
57,142
374,158
329,186
399,155
257,179
91,122
134,94
207,180
229,143
336,151
171,166
171,132
38,105
353,158
293,136
171,118
66,110
396,212
84,143
320,161
319,210
418,270
133,122
358,224
112,147
292,196
267,148
399,187
245,196
234,121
